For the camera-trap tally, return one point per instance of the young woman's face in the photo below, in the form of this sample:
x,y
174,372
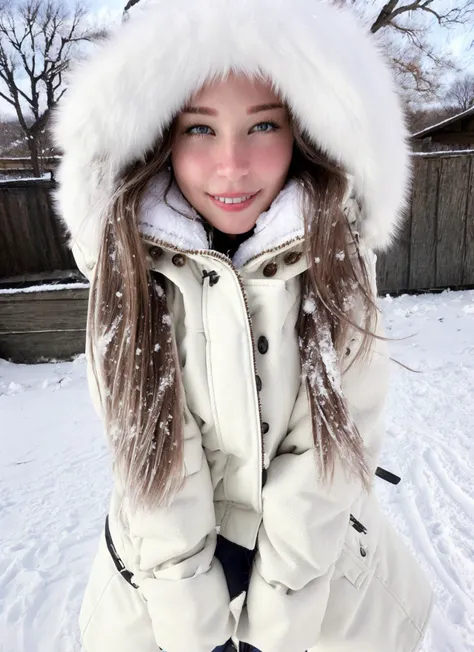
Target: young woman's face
x,y
233,142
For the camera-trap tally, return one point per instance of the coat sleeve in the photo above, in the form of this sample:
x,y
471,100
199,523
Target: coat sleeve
x,y
305,524
180,579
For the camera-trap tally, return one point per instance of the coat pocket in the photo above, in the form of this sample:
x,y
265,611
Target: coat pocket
x,y
352,567
379,602
113,615
357,555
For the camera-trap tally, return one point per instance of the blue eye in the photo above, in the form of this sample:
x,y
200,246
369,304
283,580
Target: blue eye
x,y
273,127
197,130
262,127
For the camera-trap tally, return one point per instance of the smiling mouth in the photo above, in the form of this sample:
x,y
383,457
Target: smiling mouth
x,y
234,202
233,198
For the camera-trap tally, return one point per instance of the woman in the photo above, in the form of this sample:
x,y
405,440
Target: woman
x,y
228,168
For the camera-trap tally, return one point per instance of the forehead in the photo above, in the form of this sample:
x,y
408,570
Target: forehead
x,y
236,90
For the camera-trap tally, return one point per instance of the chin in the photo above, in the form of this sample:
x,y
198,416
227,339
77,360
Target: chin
x,y
236,228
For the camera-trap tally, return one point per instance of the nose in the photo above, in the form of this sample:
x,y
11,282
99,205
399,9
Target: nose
x,y
232,161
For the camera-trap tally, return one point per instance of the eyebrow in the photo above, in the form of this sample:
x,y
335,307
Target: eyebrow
x,y
204,110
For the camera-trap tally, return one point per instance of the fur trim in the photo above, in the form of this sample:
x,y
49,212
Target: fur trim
x,y
324,64
175,221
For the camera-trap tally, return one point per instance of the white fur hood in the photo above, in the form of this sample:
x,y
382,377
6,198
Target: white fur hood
x,y
325,65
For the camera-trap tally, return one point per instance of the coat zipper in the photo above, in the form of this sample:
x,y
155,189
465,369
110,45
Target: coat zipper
x,y
227,261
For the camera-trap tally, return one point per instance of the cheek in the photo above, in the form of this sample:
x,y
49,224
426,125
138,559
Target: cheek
x,y
272,161
190,163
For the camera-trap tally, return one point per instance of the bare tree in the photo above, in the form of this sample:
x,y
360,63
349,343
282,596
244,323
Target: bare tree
x,y
405,29
460,95
38,38
130,4
12,139
422,65
445,17
427,117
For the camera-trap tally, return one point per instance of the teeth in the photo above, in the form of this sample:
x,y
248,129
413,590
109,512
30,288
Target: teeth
x,y
233,200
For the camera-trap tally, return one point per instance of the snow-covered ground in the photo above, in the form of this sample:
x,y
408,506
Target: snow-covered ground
x,y
55,478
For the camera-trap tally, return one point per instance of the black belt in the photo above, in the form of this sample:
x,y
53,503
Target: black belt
x,y
119,565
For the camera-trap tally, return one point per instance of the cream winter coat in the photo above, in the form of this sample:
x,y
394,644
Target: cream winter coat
x,y
317,583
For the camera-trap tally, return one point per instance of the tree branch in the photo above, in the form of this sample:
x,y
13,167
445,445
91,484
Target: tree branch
x,y
7,99
390,11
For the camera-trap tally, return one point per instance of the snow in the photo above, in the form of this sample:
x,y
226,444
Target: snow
x,y
448,152
55,477
23,158
47,176
46,287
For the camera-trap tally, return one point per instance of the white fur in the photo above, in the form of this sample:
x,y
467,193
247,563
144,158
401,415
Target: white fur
x,y
324,64
175,221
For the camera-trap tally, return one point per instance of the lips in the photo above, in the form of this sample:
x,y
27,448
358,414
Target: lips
x,y
232,200
233,195
233,206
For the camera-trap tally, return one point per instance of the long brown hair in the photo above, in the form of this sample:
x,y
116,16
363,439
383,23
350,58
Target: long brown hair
x,y
132,344
336,299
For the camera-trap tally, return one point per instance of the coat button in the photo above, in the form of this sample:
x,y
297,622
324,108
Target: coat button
x,y
178,260
262,344
363,552
155,252
348,349
265,428
258,380
293,257
270,269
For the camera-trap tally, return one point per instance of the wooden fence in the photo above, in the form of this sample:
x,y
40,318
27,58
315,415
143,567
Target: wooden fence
x,y
17,163
32,240
36,326
435,250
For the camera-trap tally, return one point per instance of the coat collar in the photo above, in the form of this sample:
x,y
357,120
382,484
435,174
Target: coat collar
x,y
175,222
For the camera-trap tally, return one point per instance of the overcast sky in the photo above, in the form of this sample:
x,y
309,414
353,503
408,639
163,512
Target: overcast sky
x,y
456,40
